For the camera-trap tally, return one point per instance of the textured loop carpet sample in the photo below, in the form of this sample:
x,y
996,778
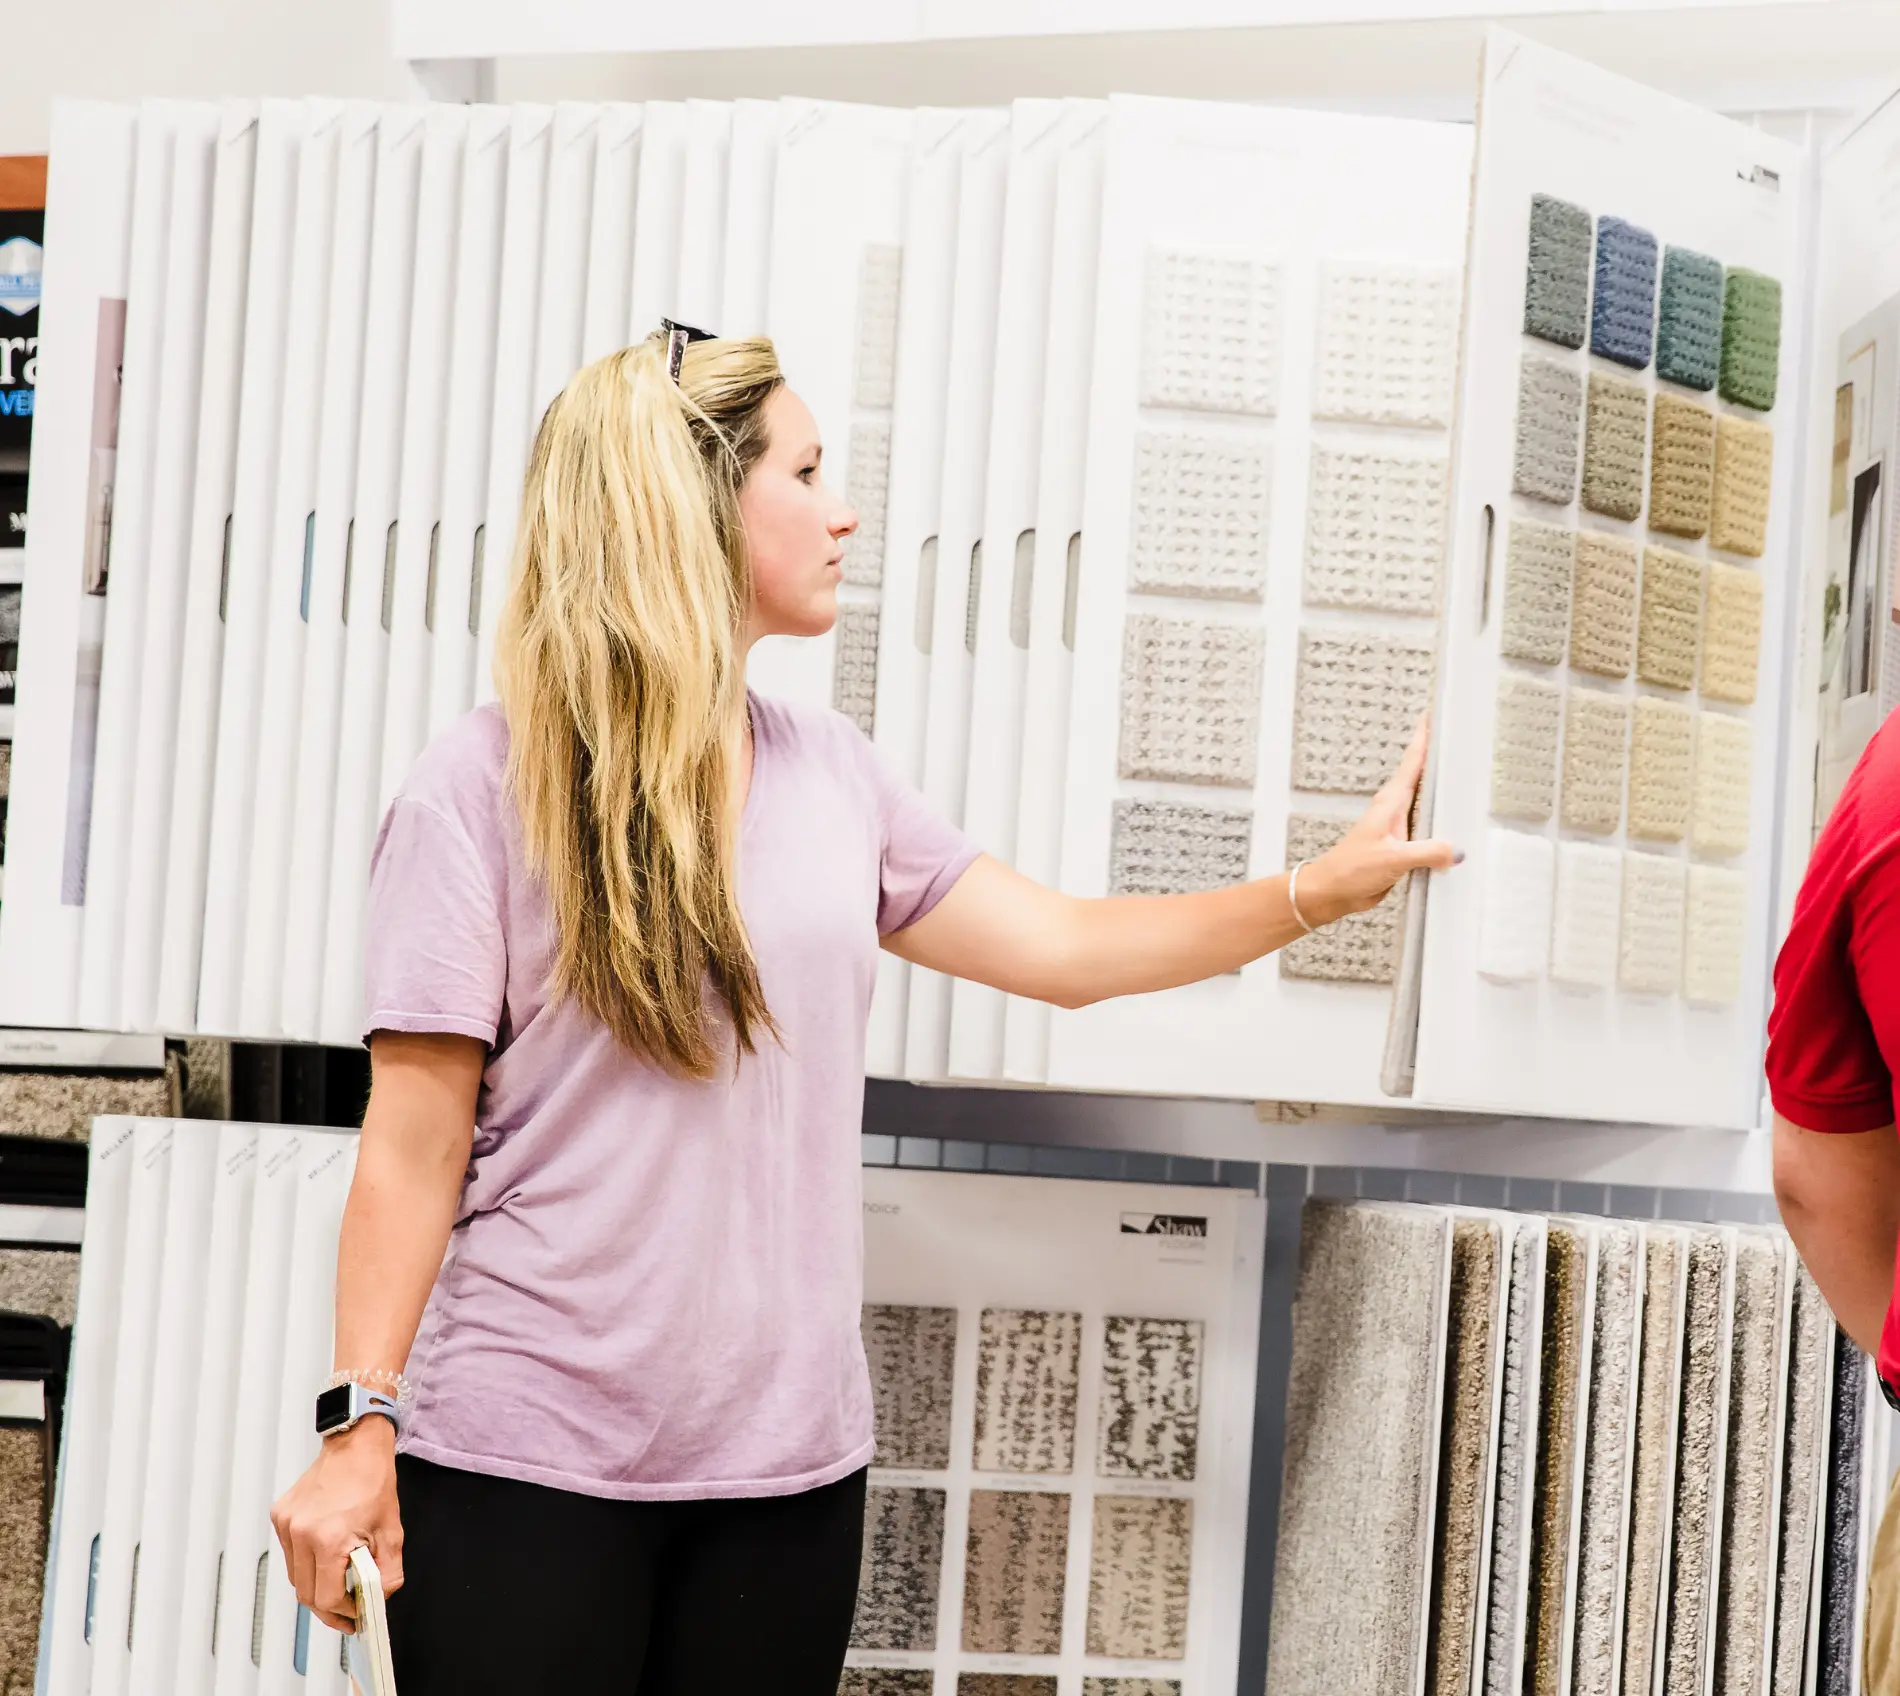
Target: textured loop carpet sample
x,y
912,1355
1840,1558
1716,930
1669,625
1615,446
1557,278
1603,1537
1623,314
1539,565
1388,344
1503,1669
43,1282
1131,1687
1653,1469
1583,931
1524,748
1596,746
1751,339
1803,1478
1549,415
897,1579
1731,638
1603,623
1199,522
1017,1556
880,279
1514,918
868,488
1151,1399
1744,471
1689,319
1190,700
1375,531
1362,1411
1171,848
1649,960
1210,332
1562,1401
1139,1571
1682,467
1360,948
1026,1376
1662,769
1005,1684
885,1681
1355,706
1698,1461
1724,768
854,666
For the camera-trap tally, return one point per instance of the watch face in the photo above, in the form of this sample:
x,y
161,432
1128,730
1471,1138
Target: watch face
x,y
333,1408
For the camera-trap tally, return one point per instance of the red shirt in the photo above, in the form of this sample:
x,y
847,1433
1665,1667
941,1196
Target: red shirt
x,y
1834,1034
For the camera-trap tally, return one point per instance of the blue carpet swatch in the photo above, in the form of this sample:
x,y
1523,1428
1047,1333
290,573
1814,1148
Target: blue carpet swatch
x,y
1623,317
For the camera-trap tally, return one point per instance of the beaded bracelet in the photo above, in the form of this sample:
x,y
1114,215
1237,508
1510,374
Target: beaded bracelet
x,y
379,1378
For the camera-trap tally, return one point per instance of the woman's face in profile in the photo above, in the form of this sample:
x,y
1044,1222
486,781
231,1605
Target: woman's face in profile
x,y
795,527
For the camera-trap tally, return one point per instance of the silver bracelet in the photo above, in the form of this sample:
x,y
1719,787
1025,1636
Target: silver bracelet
x,y
1293,895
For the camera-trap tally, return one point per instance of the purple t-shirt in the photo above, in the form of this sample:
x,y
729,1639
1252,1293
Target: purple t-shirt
x,y
653,1284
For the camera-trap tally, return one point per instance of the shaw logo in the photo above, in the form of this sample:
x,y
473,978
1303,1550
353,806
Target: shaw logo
x,y
20,276
1163,1225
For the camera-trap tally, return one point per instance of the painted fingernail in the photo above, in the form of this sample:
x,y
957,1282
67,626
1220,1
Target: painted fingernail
x,y
1457,856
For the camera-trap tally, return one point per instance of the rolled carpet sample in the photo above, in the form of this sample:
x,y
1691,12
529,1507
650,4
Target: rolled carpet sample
x,y
1503,1670
1810,1359
1653,1481
1603,1538
1840,1559
1698,1461
1564,1396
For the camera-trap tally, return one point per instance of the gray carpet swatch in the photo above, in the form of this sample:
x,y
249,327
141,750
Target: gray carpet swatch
x,y
1013,1574
1840,1560
897,1576
1557,274
1360,948
1549,424
1503,1670
1190,700
1151,1399
911,1352
1131,1687
1692,1552
1356,704
1005,1684
1603,1537
1653,1484
1172,847
1810,1358
1026,1369
1140,1569
1560,1416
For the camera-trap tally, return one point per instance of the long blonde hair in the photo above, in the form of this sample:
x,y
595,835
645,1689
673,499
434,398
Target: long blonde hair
x,y
620,664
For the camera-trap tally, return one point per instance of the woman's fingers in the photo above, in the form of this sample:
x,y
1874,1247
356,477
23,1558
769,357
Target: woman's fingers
x,y
330,1597
1431,855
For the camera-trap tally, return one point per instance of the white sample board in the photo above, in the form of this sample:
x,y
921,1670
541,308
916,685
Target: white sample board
x,y
1043,1309
701,278
1602,953
746,268
1275,336
833,316
656,233
617,153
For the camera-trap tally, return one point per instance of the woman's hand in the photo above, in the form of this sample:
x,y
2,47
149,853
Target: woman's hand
x,y
346,1500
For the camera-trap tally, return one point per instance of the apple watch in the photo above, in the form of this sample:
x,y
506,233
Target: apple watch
x,y
343,1406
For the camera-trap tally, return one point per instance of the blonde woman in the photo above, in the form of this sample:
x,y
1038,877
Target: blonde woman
x,y
623,931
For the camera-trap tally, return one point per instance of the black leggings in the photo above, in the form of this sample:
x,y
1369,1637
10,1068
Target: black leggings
x,y
519,1588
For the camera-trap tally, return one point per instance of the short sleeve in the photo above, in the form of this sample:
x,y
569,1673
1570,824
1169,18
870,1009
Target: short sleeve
x,y
923,853
436,954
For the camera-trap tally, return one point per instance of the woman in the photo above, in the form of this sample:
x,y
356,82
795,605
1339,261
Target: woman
x,y
623,934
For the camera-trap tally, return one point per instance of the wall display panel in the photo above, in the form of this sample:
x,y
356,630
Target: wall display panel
x,y
1275,327
751,166
656,240
700,287
1719,195
610,230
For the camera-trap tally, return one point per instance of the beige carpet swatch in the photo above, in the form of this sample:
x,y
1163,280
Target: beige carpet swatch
x,y
26,1471
63,1105
1615,446
1649,961
867,487
1653,1477
1005,1684
40,1280
1682,467
1190,700
1356,704
1514,913
1503,1669
1603,624
1715,933
1172,847
1744,471
1140,1569
1724,774
1026,1376
1803,1479
1210,332
885,1681
854,666
1539,564
1388,344
1375,530
1669,625
1524,748
1198,525
1603,1538
1017,1556
1131,1687
1697,1517
1150,1419
1731,639
1560,1426
911,1352
1662,769
1549,419
1585,923
1360,948
1596,747
880,286
897,1577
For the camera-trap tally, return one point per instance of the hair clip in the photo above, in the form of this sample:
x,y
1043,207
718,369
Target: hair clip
x,y
677,338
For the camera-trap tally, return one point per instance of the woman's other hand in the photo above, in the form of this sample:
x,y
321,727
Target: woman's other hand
x,y
345,1501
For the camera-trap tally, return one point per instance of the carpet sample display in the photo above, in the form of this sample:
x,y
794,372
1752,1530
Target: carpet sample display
x,y
1005,1684
1716,933
1840,1556
1549,415
1018,1553
1682,467
1596,748
1731,637
1623,313
40,1280
1557,277
1603,624
1026,1375
1190,700
1199,519
1131,1687
1210,334
1744,471
1356,704
1724,770
1388,344
1171,848
1669,624
1751,339
1615,446
1375,531
868,488
1140,1566
1653,1474
1662,769
1539,566
1524,748
1649,958
1360,948
854,666
880,284
885,1681
1803,1478
897,1582
1585,926
912,1354
1692,1552
1689,319
1362,1412
1561,1402
1503,1667
1514,919
1602,1537
1151,1399
63,1105
26,1470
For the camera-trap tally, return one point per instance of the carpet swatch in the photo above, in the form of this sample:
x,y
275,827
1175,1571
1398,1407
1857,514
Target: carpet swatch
x,y
1716,930
1503,1670
1210,334
1131,1687
897,1582
1810,1360
1151,1399
1615,446
1724,770
1682,467
1603,625
1362,1412
1549,415
1596,747
1584,928
1560,1431
1662,769
1841,1577
885,1681
1653,1475
1705,1360
1026,1374
1524,748
1375,531
1190,700
42,1281
1171,848
63,1105
1140,1566
1199,520
1744,472
26,1473
1539,566
1557,277
1017,1557
1388,344
1623,314
868,488
1731,636
1689,319
1356,704
1649,959
1360,948
1005,1684
1514,919
1669,624
880,285
1751,339
912,1354
1603,1537
854,666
